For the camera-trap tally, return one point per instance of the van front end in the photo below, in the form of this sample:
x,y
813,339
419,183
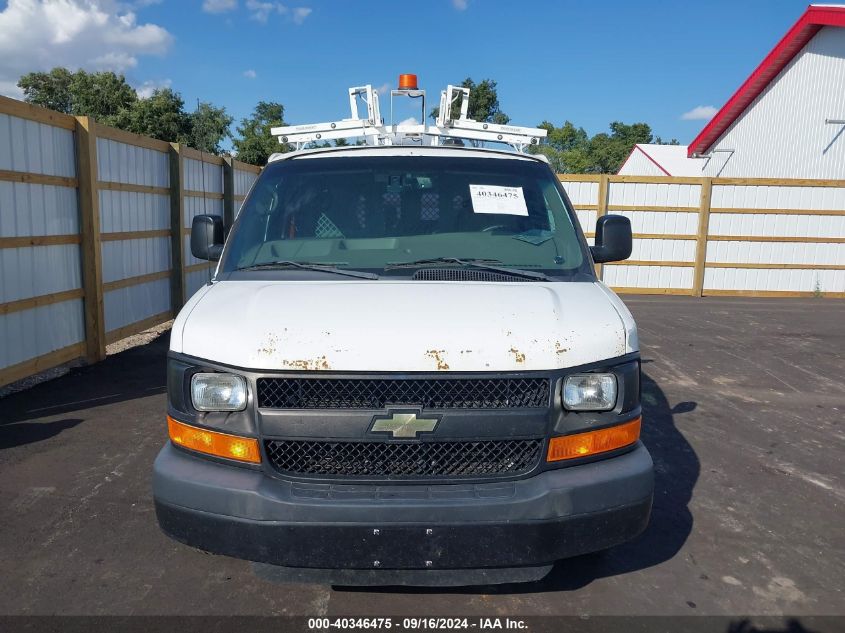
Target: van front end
x,y
478,470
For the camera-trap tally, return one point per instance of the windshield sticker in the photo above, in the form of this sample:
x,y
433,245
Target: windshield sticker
x,y
534,236
498,200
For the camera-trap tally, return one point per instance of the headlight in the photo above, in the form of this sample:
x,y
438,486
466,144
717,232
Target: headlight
x,y
590,392
218,392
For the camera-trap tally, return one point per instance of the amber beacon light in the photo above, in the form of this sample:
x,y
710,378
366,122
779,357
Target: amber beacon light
x,y
243,449
407,82
594,442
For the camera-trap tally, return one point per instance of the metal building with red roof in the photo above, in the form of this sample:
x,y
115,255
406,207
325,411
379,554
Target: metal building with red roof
x,y
787,120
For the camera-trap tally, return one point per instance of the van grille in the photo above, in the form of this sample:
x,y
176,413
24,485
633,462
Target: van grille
x,y
404,459
372,393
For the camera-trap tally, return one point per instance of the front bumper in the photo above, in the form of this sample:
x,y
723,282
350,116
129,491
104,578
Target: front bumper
x,y
535,521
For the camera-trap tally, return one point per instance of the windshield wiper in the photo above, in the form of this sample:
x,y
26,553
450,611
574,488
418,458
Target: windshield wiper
x,y
484,264
316,266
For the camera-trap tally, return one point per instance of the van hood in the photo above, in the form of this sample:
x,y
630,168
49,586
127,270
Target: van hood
x,y
404,326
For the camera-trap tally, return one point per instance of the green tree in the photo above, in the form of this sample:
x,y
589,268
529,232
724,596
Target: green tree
x,y
255,144
160,116
102,95
566,147
209,126
48,90
483,103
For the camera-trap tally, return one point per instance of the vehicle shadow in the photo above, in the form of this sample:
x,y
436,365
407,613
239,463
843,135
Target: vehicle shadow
x,y
137,372
676,471
28,432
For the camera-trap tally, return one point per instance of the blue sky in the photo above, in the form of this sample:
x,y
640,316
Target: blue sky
x,y
588,62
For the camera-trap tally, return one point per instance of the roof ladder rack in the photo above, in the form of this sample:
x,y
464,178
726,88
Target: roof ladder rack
x,y
375,132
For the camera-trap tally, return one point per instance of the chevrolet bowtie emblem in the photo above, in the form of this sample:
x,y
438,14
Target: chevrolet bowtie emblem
x,y
404,425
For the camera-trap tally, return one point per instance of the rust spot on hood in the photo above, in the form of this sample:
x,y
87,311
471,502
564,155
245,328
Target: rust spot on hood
x,y
269,346
436,355
318,363
518,356
560,349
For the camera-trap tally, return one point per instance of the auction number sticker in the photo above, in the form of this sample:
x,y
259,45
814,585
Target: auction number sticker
x,y
498,200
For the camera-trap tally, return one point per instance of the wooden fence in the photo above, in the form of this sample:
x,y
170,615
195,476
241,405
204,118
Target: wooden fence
x,y
95,222
94,233
721,236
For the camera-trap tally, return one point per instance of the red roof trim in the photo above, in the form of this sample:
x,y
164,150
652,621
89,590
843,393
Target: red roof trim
x,y
813,19
659,166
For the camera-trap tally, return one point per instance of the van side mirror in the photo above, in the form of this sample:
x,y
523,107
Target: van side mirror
x,y
613,239
207,237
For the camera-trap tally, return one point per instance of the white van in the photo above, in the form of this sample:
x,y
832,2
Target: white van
x,y
405,363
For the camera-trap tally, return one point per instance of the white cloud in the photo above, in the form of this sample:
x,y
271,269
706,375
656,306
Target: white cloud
x,y
409,121
261,11
146,89
37,35
250,74
219,6
460,5
699,113
383,89
298,14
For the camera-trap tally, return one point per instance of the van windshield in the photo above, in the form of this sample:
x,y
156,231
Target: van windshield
x,y
386,214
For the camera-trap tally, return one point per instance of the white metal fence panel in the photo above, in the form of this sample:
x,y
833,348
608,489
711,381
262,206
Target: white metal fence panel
x,y
664,220
27,334
781,242
781,225
777,197
775,253
202,176
243,181
128,213
669,277
123,211
768,280
33,271
36,148
34,211
125,306
581,193
660,250
130,164
660,222
647,195
123,259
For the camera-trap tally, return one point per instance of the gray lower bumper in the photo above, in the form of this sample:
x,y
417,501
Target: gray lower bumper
x,y
533,521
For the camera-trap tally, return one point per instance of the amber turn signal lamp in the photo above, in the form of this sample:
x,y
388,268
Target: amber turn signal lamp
x,y
407,82
594,442
243,449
